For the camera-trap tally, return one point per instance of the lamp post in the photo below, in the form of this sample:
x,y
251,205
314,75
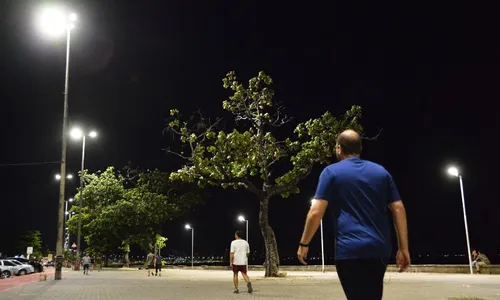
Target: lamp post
x,y
55,22
188,227
242,219
77,133
322,244
453,171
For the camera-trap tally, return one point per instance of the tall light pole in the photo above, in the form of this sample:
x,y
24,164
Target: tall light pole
x,y
55,22
453,171
188,227
322,244
77,133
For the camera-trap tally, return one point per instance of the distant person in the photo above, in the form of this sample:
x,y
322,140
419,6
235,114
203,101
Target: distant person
x,y
86,264
98,263
150,263
480,260
157,265
238,260
359,193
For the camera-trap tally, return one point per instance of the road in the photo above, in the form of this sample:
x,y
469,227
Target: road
x,y
208,285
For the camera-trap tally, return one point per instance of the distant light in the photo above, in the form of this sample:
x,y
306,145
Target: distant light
x,y
188,226
67,213
70,199
453,171
241,219
70,176
76,133
73,17
93,134
58,177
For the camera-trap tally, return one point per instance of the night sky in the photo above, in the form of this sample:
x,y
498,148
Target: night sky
x,y
426,75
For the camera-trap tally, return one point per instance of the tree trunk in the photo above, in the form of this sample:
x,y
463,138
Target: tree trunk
x,y
272,257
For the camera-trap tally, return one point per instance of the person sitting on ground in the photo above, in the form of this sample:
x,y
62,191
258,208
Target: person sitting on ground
x,y
480,260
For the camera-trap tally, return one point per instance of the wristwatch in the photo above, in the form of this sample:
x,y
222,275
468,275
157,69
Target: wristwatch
x,y
303,245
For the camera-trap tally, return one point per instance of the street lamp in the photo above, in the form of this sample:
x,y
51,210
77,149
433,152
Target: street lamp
x,y
453,171
322,244
77,134
53,22
188,227
58,177
242,219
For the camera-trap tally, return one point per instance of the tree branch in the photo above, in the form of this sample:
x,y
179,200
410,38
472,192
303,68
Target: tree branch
x,y
372,138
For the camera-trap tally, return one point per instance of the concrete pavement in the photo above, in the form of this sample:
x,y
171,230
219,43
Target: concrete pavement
x,y
198,284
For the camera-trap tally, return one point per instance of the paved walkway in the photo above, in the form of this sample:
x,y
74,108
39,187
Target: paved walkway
x,y
211,285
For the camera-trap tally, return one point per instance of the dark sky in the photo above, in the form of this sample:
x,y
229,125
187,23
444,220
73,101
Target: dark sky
x,y
427,75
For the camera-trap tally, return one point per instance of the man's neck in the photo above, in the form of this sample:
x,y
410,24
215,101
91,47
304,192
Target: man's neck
x,y
350,156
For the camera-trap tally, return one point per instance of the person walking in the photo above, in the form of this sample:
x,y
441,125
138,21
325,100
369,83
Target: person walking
x,y
150,263
238,260
86,264
157,264
360,193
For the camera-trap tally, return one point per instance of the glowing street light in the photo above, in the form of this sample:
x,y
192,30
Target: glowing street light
x,y
58,176
188,227
322,243
54,22
77,133
453,171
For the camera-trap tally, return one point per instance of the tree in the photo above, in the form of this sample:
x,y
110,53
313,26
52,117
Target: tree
x,y
247,157
30,238
160,243
101,192
121,210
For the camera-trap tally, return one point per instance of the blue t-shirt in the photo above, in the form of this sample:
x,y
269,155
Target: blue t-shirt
x,y
359,193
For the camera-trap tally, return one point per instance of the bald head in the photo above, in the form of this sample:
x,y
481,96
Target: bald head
x,y
350,143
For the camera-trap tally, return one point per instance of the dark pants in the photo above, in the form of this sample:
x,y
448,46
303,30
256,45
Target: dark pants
x,y
158,268
86,268
362,279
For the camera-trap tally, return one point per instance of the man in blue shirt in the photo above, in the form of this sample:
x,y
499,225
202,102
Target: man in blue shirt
x,y
360,193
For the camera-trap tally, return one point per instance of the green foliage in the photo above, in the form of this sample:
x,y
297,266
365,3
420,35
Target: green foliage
x,y
246,156
30,238
160,242
115,216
